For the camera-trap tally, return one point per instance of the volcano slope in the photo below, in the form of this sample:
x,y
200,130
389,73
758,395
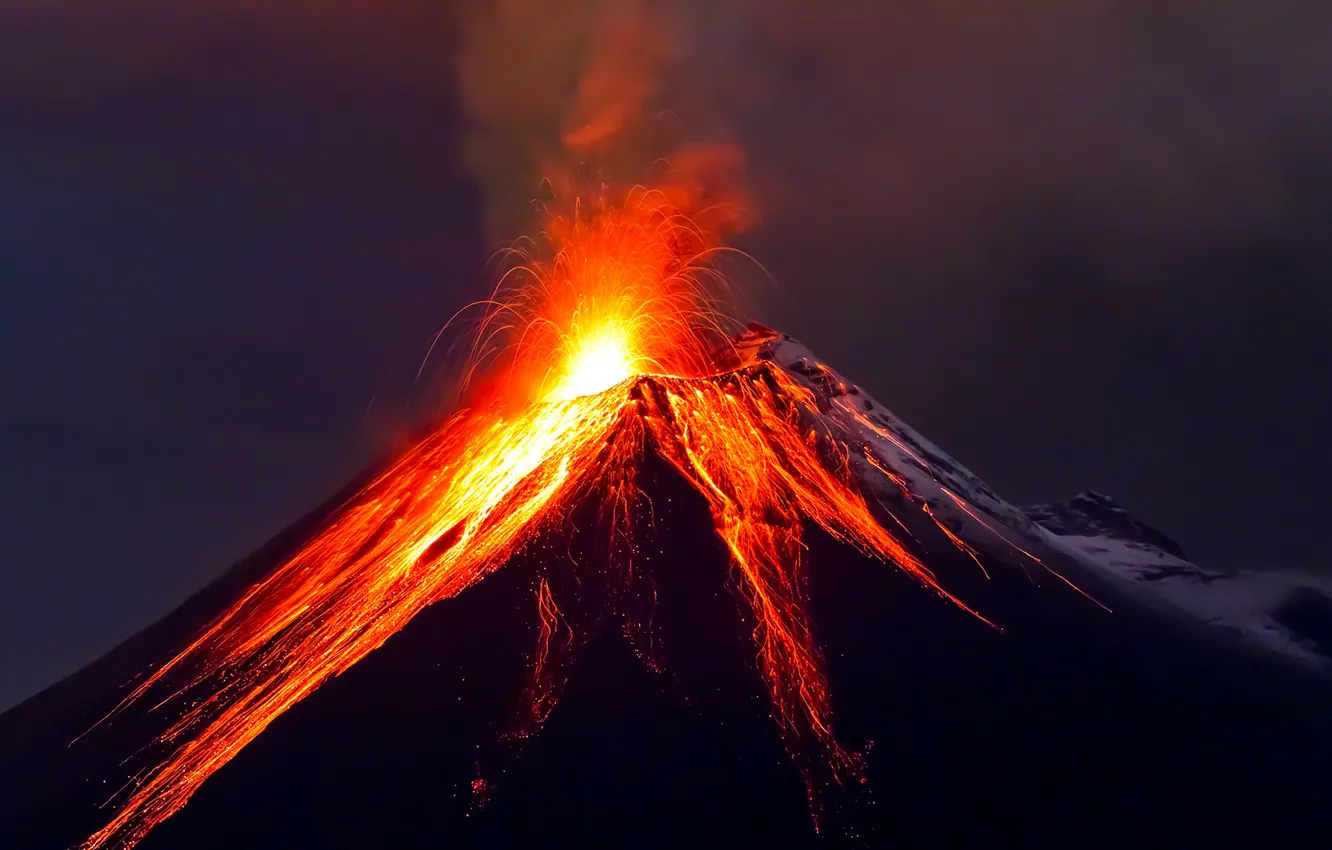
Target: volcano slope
x,y
1074,726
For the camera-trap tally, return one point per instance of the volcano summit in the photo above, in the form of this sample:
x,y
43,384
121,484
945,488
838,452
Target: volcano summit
x,y
705,590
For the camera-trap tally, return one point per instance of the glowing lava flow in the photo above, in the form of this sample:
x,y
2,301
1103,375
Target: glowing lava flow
x,y
613,358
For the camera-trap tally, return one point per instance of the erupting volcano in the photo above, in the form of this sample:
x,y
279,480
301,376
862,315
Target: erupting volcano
x,y
615,349
710,578
610,393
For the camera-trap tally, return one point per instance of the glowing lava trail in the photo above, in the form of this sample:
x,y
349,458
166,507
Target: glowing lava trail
x,y
611,354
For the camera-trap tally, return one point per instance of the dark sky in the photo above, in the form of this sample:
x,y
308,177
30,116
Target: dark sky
x,y
1076,248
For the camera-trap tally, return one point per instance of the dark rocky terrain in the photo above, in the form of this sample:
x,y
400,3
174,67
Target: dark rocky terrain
x,y
1070,727
1074,727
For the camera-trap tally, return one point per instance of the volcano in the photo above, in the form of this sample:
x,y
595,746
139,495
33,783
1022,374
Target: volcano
x,y
1010,678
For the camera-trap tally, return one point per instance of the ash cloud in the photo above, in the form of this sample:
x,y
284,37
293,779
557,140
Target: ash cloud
x,y
608,90
924,126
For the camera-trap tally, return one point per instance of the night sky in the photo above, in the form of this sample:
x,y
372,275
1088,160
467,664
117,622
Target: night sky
x,y
1078,249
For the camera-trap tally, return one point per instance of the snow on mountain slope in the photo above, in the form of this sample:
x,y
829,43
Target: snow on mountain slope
x,y
1281,611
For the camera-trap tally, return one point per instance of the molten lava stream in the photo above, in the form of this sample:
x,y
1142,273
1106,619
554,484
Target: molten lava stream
x,y
438,520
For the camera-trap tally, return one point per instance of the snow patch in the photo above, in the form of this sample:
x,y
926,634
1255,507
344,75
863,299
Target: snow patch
x,y
1248,604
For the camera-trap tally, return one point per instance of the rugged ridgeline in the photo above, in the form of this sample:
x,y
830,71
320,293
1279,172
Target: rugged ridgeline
x,y
1072,727
1282,611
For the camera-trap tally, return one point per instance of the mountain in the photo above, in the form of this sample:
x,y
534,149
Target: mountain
x,y
1105,709
1283,611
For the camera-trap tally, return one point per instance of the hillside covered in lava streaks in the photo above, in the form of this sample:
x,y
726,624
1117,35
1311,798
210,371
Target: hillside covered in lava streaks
x,y
749,440
693,549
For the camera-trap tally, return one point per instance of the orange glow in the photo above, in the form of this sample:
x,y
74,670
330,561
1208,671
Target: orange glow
x,y
601,363
612,351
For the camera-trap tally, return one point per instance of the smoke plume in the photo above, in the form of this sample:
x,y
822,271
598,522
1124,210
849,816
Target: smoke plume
x,y
922,123
571,93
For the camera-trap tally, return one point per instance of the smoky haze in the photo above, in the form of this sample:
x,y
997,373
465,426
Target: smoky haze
x,y
1078,244
1189,121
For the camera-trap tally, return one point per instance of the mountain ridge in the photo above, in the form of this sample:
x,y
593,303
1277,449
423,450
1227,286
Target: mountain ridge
x,y
1090,527
946,710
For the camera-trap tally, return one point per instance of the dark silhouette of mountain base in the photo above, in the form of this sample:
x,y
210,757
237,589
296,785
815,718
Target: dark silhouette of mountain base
x,y
1073,728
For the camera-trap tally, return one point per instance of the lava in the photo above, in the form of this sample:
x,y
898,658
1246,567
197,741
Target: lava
x,y
614,350
552,627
